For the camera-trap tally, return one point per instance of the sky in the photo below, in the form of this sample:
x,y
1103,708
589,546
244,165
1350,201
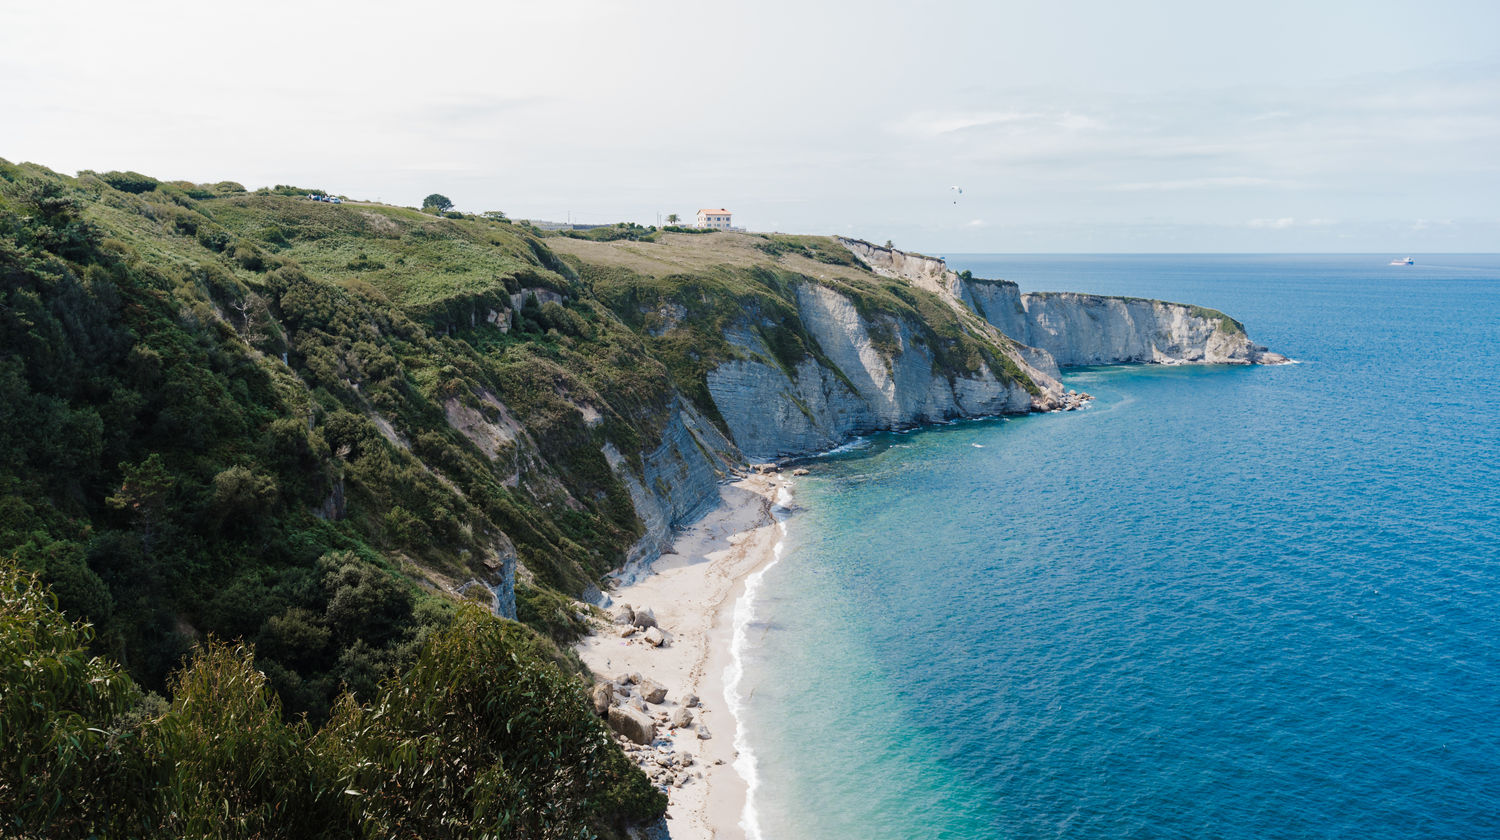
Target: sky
x,y
1071,127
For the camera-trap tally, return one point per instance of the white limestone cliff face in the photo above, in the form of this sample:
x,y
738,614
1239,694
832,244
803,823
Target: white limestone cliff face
x,y
773,413
678,484
1084,329
1071,328
924,272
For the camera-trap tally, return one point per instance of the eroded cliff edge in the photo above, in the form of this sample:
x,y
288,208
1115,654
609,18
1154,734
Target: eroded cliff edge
x,y
1071,328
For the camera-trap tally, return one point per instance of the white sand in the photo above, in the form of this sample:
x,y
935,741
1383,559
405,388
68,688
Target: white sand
x,y
692,592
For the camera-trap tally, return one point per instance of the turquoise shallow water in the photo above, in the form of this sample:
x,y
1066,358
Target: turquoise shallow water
x,y
1221,603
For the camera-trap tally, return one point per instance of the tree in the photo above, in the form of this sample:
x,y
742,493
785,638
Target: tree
x,y
495,216
437,201
673,218
143,494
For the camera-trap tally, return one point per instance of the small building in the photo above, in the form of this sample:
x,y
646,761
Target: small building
x,y
717,219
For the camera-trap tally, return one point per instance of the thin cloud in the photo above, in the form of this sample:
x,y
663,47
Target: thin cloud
x,y
933,124
1273,224
1192,184
1289,222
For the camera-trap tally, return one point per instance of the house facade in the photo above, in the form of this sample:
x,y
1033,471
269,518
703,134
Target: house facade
x,y
718,219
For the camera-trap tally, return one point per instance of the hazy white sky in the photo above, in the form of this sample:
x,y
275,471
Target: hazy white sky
x,y
1153,125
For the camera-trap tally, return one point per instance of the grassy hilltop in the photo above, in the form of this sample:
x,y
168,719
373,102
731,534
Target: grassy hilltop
x,y
317,431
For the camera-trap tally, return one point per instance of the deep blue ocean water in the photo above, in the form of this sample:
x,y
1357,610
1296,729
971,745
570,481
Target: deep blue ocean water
x,y
1220,603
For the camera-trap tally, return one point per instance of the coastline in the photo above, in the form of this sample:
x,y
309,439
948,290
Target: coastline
x,y
696,591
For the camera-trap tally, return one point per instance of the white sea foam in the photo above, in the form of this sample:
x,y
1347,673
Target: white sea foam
x,y
744,614
856,443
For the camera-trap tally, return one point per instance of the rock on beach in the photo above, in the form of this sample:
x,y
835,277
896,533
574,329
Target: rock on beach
x,y
633,724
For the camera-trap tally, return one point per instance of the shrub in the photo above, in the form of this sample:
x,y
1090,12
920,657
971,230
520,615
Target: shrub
x,y
521,752
60,770
131,182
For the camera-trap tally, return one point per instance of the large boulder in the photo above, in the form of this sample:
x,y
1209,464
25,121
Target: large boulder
x,y
653,691
635,725
602,695
682,717
623,614
644,618
654,637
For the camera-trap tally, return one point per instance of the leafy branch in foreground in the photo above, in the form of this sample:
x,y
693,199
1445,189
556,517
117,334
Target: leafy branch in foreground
x,y
483,736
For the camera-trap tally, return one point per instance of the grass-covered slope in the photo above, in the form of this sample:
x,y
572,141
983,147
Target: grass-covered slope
x,y
201,434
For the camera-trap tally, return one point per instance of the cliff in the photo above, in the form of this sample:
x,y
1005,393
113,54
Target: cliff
x,y
1070,328
773,412
792,346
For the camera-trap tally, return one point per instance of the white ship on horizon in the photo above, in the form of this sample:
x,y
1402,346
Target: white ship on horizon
x,y
1406,261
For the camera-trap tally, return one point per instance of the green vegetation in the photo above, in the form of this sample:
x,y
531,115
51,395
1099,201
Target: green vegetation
x,y
480,736
1226,323
611,233
437,202
301,427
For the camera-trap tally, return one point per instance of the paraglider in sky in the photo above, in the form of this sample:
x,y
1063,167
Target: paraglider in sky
x,y
959,191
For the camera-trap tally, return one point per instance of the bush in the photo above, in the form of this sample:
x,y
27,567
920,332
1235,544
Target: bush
x,y
60,769
521,751
482,736
131,182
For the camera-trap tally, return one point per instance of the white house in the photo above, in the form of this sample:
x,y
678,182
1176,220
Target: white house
x,y
717,219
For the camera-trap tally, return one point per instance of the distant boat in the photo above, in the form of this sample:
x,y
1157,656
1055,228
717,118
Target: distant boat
x,y
1407,261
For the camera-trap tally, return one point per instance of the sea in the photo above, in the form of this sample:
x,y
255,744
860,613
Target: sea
x,y
1221,602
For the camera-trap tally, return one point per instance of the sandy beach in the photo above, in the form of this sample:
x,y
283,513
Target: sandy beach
x,y
693,591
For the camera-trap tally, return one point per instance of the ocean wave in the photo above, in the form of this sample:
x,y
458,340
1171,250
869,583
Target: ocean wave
x,y
744,613
857,443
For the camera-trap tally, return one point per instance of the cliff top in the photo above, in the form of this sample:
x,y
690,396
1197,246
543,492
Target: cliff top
x,y
668,253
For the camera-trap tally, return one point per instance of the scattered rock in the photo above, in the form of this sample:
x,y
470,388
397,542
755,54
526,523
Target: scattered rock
x,y
627,630
691,701
654,637
633,677
680,718
644,618
703,733
623,614
653,691
800,471
765,469
633,724
636,703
